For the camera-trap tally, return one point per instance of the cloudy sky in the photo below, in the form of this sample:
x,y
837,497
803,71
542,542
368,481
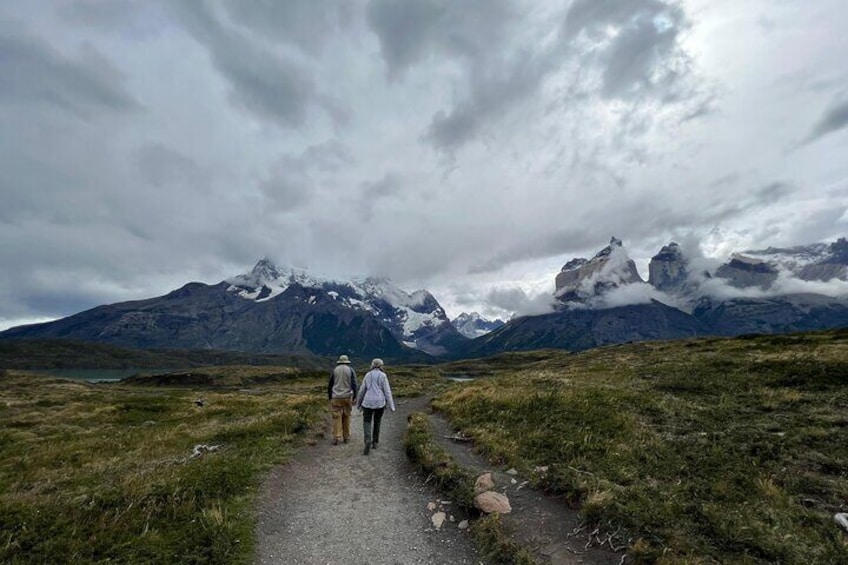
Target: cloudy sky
x,y
467,146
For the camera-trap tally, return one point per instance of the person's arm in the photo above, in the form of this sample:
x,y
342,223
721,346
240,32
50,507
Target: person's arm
x,y
330,385
353,383
362,390
387,390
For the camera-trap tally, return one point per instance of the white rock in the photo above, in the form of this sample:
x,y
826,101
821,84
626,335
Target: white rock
x,y
438,519
463,525
431,506
513,481
491,501
541,470
842,520
512,471
484,482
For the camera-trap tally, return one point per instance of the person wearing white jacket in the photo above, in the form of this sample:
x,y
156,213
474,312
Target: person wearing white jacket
x,y
375,395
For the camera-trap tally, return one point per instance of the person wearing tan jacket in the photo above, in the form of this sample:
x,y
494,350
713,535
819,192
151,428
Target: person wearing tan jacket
x,y
341,390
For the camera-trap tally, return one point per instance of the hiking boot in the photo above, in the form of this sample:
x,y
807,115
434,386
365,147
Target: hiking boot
x,y
374,445
367,449
346,439
335,441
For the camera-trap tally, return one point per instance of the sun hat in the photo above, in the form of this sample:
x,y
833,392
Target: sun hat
x,y
376,363
343,359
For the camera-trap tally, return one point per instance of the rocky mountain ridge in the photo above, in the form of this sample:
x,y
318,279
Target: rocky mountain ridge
x,y
415,319
599,301
603,300
270,310
473,325
764,273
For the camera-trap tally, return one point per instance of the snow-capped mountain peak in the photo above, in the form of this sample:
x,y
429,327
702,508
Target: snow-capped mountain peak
x,y
268,280
581,279
415,319
473,325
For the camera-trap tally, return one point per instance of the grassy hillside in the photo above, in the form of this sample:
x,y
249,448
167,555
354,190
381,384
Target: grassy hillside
x,y
98,473
709,450
105,473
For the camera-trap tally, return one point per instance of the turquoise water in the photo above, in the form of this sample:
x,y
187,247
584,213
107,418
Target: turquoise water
x,y
100,375
460,378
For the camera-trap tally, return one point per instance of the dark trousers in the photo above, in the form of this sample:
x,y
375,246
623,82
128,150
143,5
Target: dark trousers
x,y
375,414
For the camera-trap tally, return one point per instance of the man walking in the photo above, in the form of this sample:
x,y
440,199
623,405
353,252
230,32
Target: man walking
x,y
341,391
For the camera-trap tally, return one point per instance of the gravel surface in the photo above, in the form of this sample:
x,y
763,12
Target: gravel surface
x,y
332,504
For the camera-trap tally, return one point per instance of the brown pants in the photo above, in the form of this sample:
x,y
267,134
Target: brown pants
x,y
341,408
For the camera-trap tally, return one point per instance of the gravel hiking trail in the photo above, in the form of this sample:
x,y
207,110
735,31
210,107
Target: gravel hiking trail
x,y
332,504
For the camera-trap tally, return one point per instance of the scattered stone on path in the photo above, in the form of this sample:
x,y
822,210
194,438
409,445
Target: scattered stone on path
x,y
463,525
541,470
512,471
484,482
438,519
431,506
842,520
491,501
513,481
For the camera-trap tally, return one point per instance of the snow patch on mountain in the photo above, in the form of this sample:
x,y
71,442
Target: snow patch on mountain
x,y
792,259
474,325
267,280
414,318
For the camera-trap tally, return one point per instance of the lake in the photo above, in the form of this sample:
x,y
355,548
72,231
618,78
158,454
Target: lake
x,y
100,375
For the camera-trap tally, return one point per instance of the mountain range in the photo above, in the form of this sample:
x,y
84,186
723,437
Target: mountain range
x,y
597,301
604,300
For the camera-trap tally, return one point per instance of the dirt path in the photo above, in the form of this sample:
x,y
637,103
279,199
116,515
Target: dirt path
x,y
332,504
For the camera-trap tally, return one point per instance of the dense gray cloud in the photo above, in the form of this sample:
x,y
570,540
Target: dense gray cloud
x,y
159,166
273,86
637,42
476,35
305,23
834,119
642,60
35,73
471,147
292,179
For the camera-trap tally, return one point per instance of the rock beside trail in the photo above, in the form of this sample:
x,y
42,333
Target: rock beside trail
x,y
438,519
491,501
483,483
842,520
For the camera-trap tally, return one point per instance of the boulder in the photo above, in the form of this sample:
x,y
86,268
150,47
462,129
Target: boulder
x,y
484,482
842,520
491,501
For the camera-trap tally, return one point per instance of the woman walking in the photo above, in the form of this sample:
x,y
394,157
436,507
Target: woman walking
x,y
374,395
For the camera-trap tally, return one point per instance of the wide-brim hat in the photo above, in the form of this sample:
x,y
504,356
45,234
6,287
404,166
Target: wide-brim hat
x,y
343,359
376,363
